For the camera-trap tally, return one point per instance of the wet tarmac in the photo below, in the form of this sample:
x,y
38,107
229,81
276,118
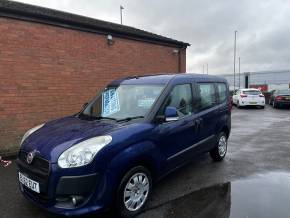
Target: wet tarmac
x,y
260,196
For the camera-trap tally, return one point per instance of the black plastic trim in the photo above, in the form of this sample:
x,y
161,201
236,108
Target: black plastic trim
x,y
76,185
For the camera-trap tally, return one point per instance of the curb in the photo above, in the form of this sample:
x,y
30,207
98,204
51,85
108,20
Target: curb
x,y
9,155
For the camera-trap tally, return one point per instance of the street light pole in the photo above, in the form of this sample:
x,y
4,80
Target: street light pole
x,y
121,14
203,69
239,72
235,47
207,68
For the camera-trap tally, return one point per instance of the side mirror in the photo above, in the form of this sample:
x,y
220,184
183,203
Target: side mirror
x,y
171,114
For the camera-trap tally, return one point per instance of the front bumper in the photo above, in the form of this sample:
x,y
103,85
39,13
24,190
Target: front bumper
x,y
67,192
61,211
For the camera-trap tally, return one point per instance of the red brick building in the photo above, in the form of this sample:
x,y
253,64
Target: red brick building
x,y
52,62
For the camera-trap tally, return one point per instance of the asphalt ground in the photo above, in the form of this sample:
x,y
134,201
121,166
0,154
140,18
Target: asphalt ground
x,y
259,144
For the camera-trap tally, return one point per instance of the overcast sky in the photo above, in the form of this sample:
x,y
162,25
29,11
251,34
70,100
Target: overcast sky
x,y
263,38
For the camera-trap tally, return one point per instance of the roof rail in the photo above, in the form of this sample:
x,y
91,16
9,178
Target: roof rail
x,y
145,75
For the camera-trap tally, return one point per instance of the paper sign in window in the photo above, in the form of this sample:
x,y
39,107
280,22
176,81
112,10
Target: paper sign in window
x,y
110,102
145,103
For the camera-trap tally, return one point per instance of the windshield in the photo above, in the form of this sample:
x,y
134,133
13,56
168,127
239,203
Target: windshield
x,y
252,92
124,101
284,92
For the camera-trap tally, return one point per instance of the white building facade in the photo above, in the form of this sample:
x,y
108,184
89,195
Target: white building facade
x,y
265,80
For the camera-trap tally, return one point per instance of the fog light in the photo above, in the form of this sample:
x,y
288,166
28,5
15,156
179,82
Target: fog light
x,y
76,200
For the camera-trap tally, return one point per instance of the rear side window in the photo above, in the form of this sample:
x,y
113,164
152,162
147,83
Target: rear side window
x,y
206,93
222,92
180,98
252,92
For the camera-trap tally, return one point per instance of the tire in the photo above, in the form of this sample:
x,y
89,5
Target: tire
x,y
128,210
218,153
236,104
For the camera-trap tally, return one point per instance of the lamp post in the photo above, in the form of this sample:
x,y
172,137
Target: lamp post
x,y
203,69
121,14
207,68
239,72
235,47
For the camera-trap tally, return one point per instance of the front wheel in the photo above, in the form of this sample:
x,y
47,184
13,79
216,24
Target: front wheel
x,y
134,192
220,150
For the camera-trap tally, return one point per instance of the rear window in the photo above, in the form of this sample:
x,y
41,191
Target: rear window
x,y
252,92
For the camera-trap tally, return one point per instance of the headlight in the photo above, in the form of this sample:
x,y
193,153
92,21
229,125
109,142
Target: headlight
x,y
29,132
84,152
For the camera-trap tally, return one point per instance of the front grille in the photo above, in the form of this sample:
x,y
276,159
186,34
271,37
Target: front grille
x,y
38,171
38,163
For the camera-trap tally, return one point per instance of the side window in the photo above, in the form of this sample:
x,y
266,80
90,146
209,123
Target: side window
x,y
222,91
206,93
180,98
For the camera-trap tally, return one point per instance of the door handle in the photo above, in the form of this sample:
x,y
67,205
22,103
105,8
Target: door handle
x,y
197,124
200,123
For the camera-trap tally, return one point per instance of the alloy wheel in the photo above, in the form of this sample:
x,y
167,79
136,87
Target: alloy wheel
x,y
136,191
222,146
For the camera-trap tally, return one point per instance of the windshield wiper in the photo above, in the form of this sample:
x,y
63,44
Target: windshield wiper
x,y
90,117
130,118
103,118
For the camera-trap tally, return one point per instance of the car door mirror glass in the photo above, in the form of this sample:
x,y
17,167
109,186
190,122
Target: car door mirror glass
x,y
171,114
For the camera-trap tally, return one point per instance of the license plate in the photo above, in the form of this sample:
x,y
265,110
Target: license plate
x,y
253,102
29,183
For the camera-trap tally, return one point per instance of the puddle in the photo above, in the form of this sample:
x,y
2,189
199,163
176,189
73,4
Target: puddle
x,y
264,196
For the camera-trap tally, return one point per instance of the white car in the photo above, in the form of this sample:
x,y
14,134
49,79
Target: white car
x,y
249,97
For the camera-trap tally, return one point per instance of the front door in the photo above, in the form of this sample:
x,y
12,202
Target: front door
x,y
178,137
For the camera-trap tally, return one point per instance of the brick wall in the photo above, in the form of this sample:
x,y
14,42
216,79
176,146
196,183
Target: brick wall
x,y
48,72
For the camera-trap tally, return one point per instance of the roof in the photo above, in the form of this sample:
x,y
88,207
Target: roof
x,y
155,79
249,89
28,12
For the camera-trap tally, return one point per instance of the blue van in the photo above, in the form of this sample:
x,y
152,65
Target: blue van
x,y
134,132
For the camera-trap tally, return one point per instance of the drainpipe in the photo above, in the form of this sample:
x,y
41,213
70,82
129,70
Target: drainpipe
x,y
179,61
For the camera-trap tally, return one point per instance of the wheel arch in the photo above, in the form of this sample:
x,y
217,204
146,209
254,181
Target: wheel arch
x,y
144,154
226,130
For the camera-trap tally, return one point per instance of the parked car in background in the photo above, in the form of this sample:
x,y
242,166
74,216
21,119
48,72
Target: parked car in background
x,y
248,97
134,132
280,98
